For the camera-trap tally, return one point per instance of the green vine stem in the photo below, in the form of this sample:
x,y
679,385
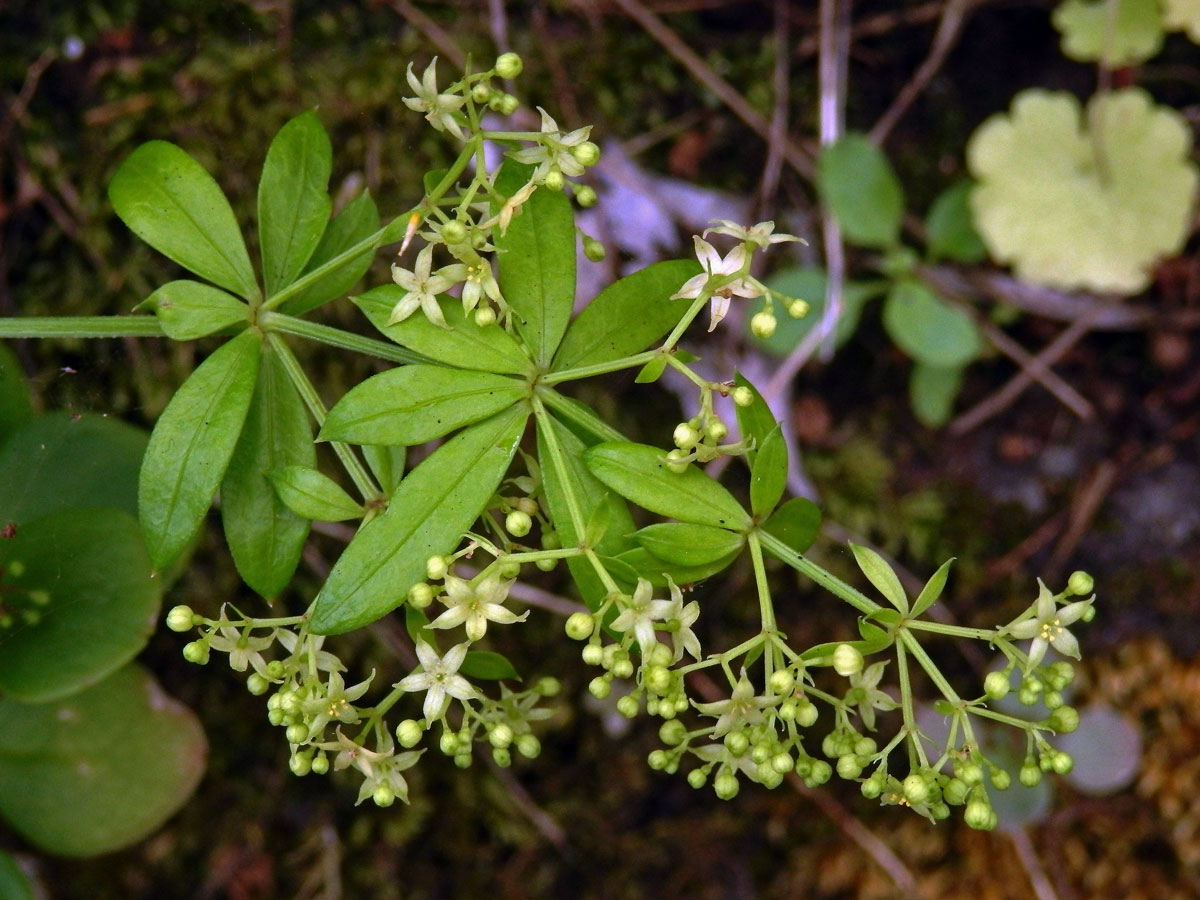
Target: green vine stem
x,y
80,327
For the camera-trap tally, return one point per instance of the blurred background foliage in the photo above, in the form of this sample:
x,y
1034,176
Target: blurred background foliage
x,y
1033,491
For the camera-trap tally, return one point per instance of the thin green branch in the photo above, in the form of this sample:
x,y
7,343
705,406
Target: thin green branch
x,y
825,579
80,327
336,337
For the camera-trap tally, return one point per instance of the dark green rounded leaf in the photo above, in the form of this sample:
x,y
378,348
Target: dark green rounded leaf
x,y
101,769
929,329
931,391
413,404
856,181
187,310
103,601
682,544
485,665
167,199
950,228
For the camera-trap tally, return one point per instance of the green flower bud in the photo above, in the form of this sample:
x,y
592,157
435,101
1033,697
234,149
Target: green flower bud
x,y
872,787
1052,700
660,655
622,668
1064,720
865,746
726,785
507,105
782,682
196,652
509,65
454,232
672,733
593,654
820,773
1029,775
628,706
737,743
276,670
955,791
518,524
787,710
1027,696
763,324
782,762
510,570
743,396
798,309
697,778
257,685
528,746
420,595
970,773
1001,780
448,743
677,461
1088,614
849,767
383,796
1080,583
806,714
997,685
847,660
915,789
320,763
297,734
593,249
547,686
716,430
685,436
464,760
481,92
585,196
1062,763
555,180
500,735
485,316
586,154
181,618
300,764
600,687
760,753
658,760
436,567
658,679
978,815
409,733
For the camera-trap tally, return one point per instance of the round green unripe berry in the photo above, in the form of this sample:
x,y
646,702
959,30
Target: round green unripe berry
x,y
585,196
297,734
1030,775
1062,763
555,180
257,684
1080,583
485,316
518,523
196,652
743,396
586,154
997,685
501,735
782,682
685,436
594,250
454,232
436,567
1064,720
915,789
847,660
420,595
628,706
300,764
509,65
181,618
763,324
320,764
726,785
697,778
409,733
600,687
737,743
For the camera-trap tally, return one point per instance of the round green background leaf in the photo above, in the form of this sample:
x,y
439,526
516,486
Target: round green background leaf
x,y
102,608
101,769
928,328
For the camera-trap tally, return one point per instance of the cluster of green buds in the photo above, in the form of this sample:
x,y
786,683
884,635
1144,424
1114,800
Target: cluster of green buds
x,y
18,605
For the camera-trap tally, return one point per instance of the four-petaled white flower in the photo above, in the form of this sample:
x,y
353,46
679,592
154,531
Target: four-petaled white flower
x,y
440,678
761,234
742,707
640,613
439,109
679,620
423,289
476,605
721,270
554,150
1048,627
478,278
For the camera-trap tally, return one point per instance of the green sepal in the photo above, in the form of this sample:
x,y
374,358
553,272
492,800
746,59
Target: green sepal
x,y
687,545
639,473
191,445
435,504
188,310
417,403
312,495
168,200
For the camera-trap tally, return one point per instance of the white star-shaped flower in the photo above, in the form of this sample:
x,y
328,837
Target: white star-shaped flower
x,y
640,613
477,605
1048,627
422,288
440,678
717,278
439,109
554,150
761,234
679,620
742,707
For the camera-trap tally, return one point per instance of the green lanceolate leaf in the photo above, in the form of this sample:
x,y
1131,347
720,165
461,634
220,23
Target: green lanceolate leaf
x,y
756,420
98,770
187,310
293,200
486,665
191,446
590,495
413,404
688,545
354,224
768,474
797,523
639,473
950,228
97,601
641,563
311,495
486,348
932,592
626,317
387,464
429,512
929,329
536,261
265,537
59,461
857,183
652,371
932,390
15,409
167,199
13,883
880,574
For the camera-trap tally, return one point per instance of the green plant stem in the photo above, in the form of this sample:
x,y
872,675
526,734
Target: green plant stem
x,y
1001,717
693,311
906,705
358,474
825,579
336,337
80,327
931,669
979,634
568,409
766,609
616,365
